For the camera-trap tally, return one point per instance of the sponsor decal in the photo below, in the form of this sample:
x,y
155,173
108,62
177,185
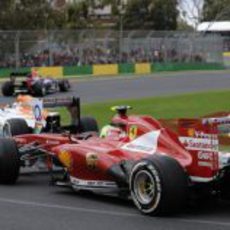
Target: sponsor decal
x,y
65,158
205,159
217,120
207,156
205,164
92,183
37,107
52,142
191,143
132,132
191,132
91,160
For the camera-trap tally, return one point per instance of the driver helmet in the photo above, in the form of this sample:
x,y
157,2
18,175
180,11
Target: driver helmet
x,y
115,133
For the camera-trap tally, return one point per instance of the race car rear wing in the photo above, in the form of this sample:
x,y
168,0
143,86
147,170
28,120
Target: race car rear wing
x,y
52,102
72,103
19,74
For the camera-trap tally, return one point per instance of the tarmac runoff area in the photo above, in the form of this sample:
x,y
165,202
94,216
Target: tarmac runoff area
x,y
34,205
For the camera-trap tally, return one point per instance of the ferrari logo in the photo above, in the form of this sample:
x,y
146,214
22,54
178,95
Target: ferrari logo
x,y
91,160
133,132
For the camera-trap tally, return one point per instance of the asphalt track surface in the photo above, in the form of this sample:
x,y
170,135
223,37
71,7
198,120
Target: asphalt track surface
x,y
34,204
103,89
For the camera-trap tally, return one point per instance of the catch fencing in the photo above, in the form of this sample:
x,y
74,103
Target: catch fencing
x,y
87,47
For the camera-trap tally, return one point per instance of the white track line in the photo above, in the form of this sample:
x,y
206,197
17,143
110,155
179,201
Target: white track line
x,y
63,207
111,213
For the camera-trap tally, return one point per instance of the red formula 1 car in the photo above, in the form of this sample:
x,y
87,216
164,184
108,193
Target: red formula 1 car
x,y
156,167
32,83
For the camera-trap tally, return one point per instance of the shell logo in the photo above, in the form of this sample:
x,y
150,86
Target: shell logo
x,y
91,160
65,158
191,132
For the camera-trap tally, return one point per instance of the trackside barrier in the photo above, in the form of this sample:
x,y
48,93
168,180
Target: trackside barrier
x,y
226,57
78,70
142,68
113,69
106,69
52,71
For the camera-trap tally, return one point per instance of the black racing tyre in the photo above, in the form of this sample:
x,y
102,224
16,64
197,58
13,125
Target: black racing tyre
x,y
88,124
64,85
39,89
158,186
9,161
8,88
16,126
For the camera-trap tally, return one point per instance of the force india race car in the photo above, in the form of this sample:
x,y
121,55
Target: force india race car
x,y
33,84
20,118
159,169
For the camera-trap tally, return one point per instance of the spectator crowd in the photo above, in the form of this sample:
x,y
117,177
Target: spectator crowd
x,y
97,55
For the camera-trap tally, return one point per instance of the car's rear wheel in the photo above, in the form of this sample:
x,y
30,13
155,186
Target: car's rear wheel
x,y
39,89
9,161
8,88
13,127
158,185
88,124
64,85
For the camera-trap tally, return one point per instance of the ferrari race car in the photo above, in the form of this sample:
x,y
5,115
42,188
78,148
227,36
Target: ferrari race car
x,y
155,167
33,84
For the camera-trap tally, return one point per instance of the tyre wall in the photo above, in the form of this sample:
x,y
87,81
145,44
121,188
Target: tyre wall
x,y
113,69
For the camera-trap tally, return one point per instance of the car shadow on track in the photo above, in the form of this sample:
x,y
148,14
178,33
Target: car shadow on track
x,y
87,195
40,184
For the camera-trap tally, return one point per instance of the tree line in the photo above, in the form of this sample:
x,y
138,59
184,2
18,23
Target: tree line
x,y
137,14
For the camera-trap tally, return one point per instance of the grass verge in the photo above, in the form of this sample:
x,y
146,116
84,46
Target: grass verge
x,y
187,105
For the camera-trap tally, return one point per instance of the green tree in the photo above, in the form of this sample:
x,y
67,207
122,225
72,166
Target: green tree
x,y
29,14
77,15
151,14
182,25
214,10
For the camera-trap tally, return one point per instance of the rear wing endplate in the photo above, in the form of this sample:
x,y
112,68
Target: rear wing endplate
x,y
72,103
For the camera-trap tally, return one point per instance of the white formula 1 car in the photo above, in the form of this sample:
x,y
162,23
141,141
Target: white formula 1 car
x,y
18,117
30,115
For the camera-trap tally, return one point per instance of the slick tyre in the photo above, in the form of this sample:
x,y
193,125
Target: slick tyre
x,y
64,85
9,161
39,89
8,88
15,127
88,124
158,186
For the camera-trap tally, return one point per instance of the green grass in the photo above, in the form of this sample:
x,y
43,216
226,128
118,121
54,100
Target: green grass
x,y
187,105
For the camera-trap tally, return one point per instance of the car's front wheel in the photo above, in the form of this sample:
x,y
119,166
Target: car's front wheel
x,y
9,161
158,185
8,88
64,85
15,126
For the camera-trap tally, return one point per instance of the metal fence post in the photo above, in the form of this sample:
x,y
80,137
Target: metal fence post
x,y
17,50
